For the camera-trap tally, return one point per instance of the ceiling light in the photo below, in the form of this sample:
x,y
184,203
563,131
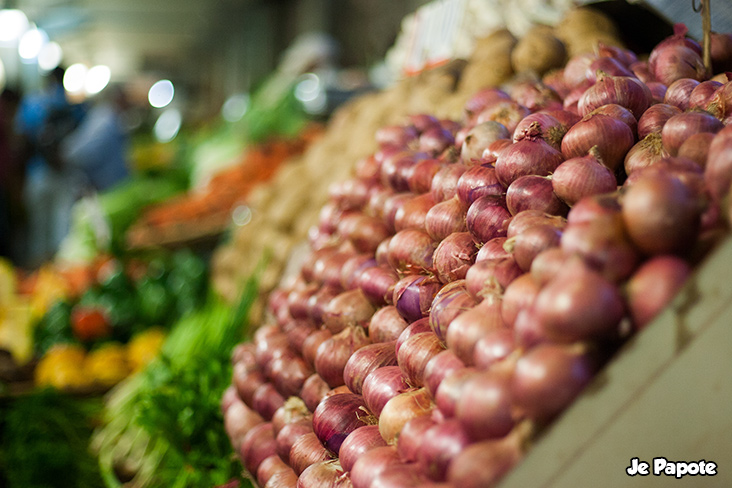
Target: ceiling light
x,y
75,78
161,93
96,79
50,56
167,125
31,43
13,23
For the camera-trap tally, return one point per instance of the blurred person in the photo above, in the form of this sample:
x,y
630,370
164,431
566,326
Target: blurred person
x,y
98,148
44,118
10,177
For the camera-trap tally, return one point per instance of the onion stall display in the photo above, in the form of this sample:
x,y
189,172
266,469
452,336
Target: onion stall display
x,y
459,295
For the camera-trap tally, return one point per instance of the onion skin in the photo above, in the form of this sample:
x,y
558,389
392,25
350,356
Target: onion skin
x,y
386,325
293,410
451,388
476,182
534,240
419,178
579,177
413,213
519,294
333,354
411,250
312,343
653,286
449,302
442,364
445,218
619,112
349,309
444,183
365,360
313,391
395,169
491,276
718,171
238,420
246,383
381,385
483,99
679,127
646,152
401,476
410,438
414,355
541,125
401,409
270,467
487,218
507,112
529,218
266,400
468,327
493,249
702,94
282,479
307,450
290,433
696,148
440,444
484,408
288,373
336,417
377,284
544,267
679,92
533,192
612,137
655,118
493,348
672,63
661,214
413,296
579,303
479,138
353,267
549,377
483,464
454,256
626,91
529,156
357,443
257,445
371,463
324,473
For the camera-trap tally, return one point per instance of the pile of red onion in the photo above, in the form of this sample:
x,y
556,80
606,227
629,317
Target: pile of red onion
x,y
470,279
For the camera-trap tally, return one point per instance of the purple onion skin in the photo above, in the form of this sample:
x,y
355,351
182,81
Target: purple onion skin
x,y
365,360
533,192
488,218
413,296
381,385
336,417
358,442
454,256
450,302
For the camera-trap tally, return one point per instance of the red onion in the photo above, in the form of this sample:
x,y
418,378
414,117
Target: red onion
x,y
579,303
658,91
602,244
491,276
382,252
672,63
367,169
487,217
349,309
333,354
352,193
680,127
476,182
246,383
398,135
419,176
358,443
646,152
612,137
549,377
541,125
410,251
565,117
653,286
324,474
391,207
696,148
642,71
228,398
313,391
444,183
529,156
702,94
286,478
288,373
479,138
238,420
484,463
293,410
337,416
365,360
532,241
471,325
434,140
266,400
270,467
534,95
718,171
544,267
414,355
412,214
528,330
364,232
401,476
679,92
575,72
401,409
440,444
421,325
423,122
451,388
446,217
244,351
618,112
554,79
721,51
297,300
534,192
454,256
493,249
604,66
519,294
484,408
528,218
493,347
376,206
318,302
582,176
306,451
413,296
450,301
591,208
271,347
353,267
507,112
371,463
311,344
490,155
483,99
386,324
661,215
289,434
257,445
377,284
626,91
410,438
381,385
438,367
